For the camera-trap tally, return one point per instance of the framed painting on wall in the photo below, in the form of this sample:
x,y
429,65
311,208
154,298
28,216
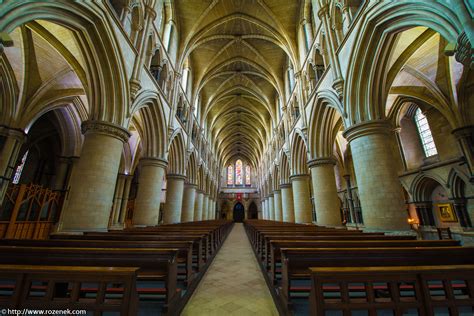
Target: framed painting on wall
x,y
446,213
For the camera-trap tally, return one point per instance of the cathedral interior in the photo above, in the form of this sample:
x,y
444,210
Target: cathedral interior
x,y
346,114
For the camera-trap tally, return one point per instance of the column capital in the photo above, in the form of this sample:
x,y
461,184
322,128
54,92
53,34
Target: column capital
x,y
270,195
105,128
465,131
175,176
285,185
321,161
367,128
16,133
190,185
464,51
276,191
299,177
154,161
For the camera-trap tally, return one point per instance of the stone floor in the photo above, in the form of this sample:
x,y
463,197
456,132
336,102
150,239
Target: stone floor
x,y
233,284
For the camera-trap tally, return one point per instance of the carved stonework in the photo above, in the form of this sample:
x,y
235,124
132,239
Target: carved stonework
x,y
321,161
367,128
464,51
106,128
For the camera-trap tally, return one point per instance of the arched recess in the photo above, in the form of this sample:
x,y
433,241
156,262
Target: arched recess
x,y
459,193
365,90
177,154
149,119
284,169
299,155
106,84
324,123
192,169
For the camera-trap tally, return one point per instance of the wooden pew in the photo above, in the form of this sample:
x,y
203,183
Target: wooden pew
x,y
198,248
297,261
274,257
155,264
185,248
393,290
20,281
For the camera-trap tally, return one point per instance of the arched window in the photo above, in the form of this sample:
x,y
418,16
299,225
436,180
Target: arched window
x,y
230,175
424,131
19,169
247,175
238,172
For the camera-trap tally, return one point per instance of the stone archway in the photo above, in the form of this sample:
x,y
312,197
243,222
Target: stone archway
x,y
253,211
239,212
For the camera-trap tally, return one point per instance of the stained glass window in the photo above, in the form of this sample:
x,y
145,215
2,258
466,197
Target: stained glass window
x,y
425,134
247,175
230,175
238,172
19,169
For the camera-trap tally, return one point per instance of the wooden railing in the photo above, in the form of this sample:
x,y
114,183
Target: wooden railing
x,y
29,211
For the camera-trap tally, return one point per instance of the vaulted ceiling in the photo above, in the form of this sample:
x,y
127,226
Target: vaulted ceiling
x,y
238,51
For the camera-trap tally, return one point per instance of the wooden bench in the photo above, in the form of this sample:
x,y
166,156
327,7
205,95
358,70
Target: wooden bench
x,y
198,248
297,261
274,258
428,290
36,287
185,248
155,264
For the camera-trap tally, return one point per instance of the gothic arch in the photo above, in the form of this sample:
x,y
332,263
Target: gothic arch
x,y
192,169
177,154
365,87
152,124
324,123
299,154
423,185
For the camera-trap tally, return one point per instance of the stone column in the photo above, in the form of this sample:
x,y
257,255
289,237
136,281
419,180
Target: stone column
x,y
347,177
301,198
150,182
380,192
118,201
198,206
326,201
271,207
287,203
189,199
211,208
93,179
61,173
124,202
277,205
174,198
465,138
205,205
264,208
14,139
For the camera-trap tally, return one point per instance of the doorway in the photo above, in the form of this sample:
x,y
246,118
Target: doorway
x,y
239,213
253,211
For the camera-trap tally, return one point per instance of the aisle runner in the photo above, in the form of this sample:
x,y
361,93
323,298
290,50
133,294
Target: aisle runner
x,y
233,284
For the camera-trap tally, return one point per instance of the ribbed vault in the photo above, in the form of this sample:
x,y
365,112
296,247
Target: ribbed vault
x,y
238,51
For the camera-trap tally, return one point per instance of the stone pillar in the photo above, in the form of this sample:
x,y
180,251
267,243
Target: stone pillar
x,y
62,171
205,205
326,201
189,199
301,198
287,203
465,138
124,202
212,205
198,206
277,205
150,182
380,192
93,179
264,208
354,220
117,201
174,198
14,139
271,207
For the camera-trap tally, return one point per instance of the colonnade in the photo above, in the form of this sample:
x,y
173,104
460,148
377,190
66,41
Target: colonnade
x,y
379,189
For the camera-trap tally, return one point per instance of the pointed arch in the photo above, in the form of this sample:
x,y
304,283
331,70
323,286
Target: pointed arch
x,y
177,154
299,154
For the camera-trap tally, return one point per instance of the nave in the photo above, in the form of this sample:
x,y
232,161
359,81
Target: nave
x,y
233,284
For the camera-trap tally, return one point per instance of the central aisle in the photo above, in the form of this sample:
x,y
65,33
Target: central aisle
x,y
233,284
